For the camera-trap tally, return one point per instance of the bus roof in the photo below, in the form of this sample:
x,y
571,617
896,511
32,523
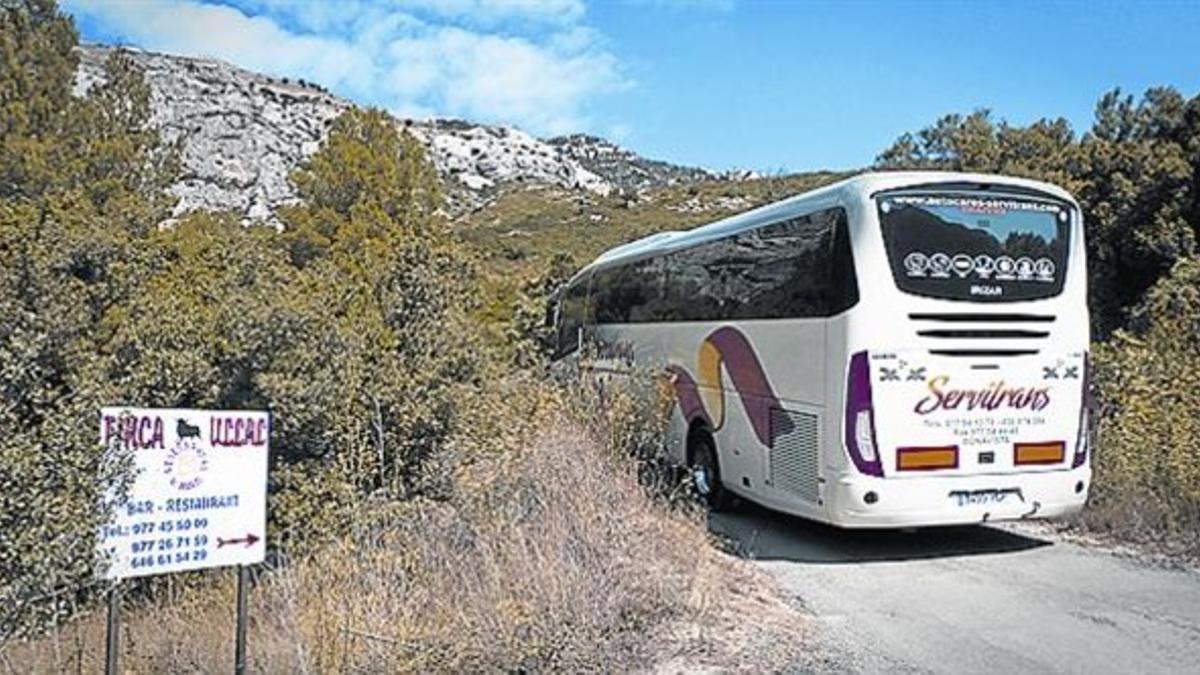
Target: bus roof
x,y
822,197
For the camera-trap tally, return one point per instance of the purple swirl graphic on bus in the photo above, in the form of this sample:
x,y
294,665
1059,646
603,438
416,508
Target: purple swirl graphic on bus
x,y
703,396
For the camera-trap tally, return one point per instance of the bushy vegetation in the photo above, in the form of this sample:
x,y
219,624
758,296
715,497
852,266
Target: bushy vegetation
x,y
79,191
1136,173
1148,381
544,554
348,325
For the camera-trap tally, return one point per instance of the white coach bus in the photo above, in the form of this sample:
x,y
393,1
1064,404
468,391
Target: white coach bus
x,y
894,350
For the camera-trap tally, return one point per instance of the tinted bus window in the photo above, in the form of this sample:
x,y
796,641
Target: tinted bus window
x,y
980,248
800,267
843,278
796,268
630,293
572,312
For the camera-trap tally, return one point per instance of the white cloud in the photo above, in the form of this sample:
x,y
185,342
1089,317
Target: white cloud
x,y
415,57
686,5
561,11
343,14
501,77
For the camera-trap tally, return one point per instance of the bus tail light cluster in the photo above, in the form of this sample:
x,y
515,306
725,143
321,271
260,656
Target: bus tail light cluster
x,y
1051,452
860,419
927,459
1085,404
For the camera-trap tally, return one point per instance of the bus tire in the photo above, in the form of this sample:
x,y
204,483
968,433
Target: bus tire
x,y
706,472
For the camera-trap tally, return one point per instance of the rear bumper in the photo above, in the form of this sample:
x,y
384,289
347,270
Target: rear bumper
x,y
913,502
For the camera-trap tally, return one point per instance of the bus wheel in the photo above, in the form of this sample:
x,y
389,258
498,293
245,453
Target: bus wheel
x,y
706,473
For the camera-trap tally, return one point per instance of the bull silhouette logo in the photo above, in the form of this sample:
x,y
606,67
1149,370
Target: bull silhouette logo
x,y
186,463
185,430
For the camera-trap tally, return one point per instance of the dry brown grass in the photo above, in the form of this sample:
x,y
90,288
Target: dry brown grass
x,y
547,555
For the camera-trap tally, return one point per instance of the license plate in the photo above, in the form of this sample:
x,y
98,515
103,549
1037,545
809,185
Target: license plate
x,y
986,496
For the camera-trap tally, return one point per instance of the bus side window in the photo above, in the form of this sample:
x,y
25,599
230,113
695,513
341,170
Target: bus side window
x,y
629,293
550,318
842,287
799,267
781,270
788,269
572,312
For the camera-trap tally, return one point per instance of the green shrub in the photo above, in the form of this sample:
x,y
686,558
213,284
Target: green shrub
x,y
530,338
1147,483
79,182
365,385
348,325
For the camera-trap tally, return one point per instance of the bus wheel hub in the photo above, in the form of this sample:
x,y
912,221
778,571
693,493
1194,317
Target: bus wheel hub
x,y
700,477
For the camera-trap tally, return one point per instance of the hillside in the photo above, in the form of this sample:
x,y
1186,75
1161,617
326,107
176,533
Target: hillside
x,y
624,167
517,199
241,133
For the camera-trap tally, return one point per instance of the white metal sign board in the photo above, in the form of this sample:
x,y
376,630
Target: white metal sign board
x,y
199,498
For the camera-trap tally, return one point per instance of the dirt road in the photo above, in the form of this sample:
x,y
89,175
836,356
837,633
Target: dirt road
x,y
986,599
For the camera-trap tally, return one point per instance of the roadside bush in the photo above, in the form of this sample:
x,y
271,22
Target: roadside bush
x,y
348,325
544,553
79,183
1147,484
367,385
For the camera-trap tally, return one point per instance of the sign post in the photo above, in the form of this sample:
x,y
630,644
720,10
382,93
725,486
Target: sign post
x,y
112,641
239,643
198,500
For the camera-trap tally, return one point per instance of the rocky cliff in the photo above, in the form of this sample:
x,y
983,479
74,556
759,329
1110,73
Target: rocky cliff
x,y
241,134
629,170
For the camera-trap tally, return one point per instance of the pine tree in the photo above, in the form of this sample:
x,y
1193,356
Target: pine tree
x,y
381,304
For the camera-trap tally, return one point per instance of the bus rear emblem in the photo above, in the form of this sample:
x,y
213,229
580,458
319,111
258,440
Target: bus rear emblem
x,y
983,289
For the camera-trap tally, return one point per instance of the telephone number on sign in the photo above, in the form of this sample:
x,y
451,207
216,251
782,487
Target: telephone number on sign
x,y
155,527
181,525
164,559
168,544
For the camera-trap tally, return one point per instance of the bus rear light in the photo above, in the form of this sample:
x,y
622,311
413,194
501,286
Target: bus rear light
x,y
859,418
864,435
927,459
1039,453
1085,404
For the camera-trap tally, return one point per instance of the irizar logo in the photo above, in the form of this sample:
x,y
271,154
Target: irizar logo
x,y
986,289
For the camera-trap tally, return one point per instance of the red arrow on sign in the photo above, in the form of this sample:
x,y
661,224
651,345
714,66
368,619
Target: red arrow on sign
x,y
248,540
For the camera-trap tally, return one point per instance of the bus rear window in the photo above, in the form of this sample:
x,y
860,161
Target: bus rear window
x,y
983,248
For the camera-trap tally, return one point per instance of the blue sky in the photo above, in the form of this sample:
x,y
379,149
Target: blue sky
x,y
759,84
